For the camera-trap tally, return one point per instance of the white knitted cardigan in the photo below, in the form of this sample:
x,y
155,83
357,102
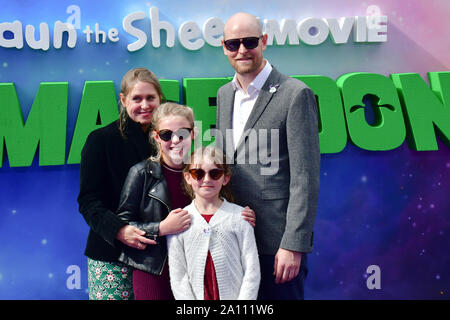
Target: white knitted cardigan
x,y
231,241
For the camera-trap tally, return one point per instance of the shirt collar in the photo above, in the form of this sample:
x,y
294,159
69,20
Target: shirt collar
x,y
258,82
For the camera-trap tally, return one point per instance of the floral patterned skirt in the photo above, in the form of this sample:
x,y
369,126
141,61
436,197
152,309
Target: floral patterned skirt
x,y
109,281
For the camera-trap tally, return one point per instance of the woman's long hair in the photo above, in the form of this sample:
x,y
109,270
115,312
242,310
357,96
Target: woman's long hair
x,y
128,81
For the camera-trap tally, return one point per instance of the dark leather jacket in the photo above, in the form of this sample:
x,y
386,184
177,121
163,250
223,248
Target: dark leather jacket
x,y
144,203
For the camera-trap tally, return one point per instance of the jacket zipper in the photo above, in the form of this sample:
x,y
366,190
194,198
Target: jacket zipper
x,y
152,196
168,210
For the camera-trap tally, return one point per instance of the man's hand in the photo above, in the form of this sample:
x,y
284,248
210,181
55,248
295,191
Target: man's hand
x,y
249,215
287,265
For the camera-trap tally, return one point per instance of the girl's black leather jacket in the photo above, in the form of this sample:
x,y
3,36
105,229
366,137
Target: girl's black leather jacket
x,y
144,203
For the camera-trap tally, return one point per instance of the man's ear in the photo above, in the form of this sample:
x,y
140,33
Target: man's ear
x,y
264,41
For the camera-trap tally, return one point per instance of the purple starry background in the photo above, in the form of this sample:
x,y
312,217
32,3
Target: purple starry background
x,y
388,209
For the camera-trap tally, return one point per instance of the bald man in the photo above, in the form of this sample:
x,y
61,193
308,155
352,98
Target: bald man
x,y
283,191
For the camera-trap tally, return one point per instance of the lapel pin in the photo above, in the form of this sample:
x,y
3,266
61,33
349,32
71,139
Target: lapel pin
x,y
273,88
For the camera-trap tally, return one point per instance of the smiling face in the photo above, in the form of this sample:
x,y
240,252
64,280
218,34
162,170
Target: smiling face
x,y
175,150
206,187
245,61
140,102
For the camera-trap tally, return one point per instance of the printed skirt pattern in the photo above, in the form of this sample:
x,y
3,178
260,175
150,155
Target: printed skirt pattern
x,y
109,281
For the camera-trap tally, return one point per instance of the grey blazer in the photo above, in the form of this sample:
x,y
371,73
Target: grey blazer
x,y
276,164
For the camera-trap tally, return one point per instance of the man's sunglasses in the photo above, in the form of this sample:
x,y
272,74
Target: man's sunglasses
x,y
248,42
199,174
166,134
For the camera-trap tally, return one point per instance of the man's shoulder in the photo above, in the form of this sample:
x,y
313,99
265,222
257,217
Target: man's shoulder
x,y
291,83
226,87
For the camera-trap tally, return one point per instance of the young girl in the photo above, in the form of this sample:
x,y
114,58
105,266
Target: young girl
x,y
216,258
152,198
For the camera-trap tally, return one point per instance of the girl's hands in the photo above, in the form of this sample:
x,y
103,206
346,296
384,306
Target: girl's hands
x,y
177,221
249,215
133,237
